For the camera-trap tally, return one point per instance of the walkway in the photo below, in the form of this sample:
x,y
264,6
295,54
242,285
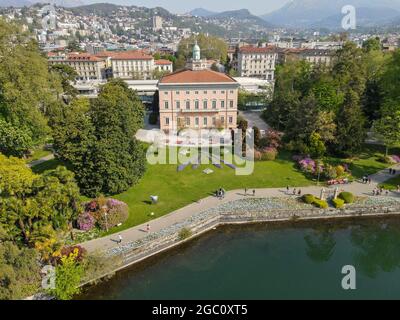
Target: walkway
x,y
41,160
254,119
138,232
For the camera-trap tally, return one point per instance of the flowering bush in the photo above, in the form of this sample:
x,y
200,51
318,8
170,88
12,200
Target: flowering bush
x,y
86,221
118,212
269,154
395,159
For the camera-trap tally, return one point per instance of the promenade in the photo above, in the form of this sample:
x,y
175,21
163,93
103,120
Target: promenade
x,y
139,232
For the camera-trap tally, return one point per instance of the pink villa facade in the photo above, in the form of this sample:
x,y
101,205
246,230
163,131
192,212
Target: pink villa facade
x,y
198,99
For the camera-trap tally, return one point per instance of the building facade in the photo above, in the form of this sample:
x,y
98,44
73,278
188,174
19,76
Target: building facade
x,y
257,62
163,65
87,66
134,64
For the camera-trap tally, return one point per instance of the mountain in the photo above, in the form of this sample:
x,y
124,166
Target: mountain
x,y
200,12
242,14
27,3
305,13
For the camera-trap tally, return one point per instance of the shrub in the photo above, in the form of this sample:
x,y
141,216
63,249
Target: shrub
x,y
322,204
269,154
86,221
338,203
330,172
308,198
257,155
184,233
348,197
386,159
77,251
118,212
340,171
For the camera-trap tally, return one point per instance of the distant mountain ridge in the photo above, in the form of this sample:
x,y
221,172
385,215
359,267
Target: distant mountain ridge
x,y
200,12
322,13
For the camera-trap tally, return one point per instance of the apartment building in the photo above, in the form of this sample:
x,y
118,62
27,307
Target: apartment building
x,y
258,62
87,66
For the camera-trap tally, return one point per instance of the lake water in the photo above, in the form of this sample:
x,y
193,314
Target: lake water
x,y
274,261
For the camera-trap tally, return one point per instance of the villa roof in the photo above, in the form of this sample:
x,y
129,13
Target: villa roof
x,y
196,76
251,49
162,62
128,55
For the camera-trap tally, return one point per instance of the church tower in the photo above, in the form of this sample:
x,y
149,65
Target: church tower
x,y
196,63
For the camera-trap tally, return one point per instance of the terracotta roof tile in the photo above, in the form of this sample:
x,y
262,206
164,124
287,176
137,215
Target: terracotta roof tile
x,y
198,76
251,49
162,62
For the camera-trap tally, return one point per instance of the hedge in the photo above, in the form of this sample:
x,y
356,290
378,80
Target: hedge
x,y
348,197
338,203
322,204
308,198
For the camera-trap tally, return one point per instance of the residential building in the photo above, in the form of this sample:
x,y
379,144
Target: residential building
x,y
133,64
197,99
87,66
163,65
157,23
257,62
314,56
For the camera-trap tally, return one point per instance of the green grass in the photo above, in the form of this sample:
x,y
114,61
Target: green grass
x,y
391,184
178,189
38,153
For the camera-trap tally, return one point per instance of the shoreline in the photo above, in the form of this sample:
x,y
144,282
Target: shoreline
x,y
131,254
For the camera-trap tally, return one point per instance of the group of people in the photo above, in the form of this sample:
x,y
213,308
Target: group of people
x,y
366,180
246,190
220,193
294,192
379,192
392,171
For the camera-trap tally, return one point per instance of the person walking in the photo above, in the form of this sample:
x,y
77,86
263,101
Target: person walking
x,y
245,191
148,228
294,191
299,193
119,239
254,193
287,189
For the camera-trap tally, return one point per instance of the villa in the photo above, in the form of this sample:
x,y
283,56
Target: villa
x,y
197,98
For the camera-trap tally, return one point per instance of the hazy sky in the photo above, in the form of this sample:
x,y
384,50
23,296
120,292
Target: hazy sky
x,y
257,7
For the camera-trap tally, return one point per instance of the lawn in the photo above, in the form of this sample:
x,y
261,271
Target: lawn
x,y
391,184
38,153
178,189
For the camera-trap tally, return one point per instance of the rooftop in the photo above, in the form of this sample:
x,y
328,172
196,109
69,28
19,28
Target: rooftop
x,y
251,49
196,76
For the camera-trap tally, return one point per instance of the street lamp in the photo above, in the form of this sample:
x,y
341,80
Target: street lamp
x,y
105,216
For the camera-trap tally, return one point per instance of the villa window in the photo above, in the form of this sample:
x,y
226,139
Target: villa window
x,y
214,121
188,105
222,120
167,121
230,119
205,92
205,104
187,92
196,121
178,104
231,104
177,92
214,104
222,104
223,92
166,105
187,121
165,92
205,121
196,92
196,104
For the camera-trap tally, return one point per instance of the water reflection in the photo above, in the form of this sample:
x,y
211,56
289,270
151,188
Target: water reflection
x,y
320,244
377,247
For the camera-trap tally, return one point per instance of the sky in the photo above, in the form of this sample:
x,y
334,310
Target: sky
x,y
257,7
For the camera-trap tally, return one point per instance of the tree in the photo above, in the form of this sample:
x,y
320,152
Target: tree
x,y
30,203
387,128
372,44
211,47
14,141
257,136
67,75
68,277
316,145
214,67
350,126
99,140
27,89
19,270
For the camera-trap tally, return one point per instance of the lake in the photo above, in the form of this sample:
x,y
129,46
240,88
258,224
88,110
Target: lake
x,y
301,260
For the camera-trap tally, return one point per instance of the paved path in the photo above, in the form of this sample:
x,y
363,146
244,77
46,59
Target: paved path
x,y
138,232
41,160
254,119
